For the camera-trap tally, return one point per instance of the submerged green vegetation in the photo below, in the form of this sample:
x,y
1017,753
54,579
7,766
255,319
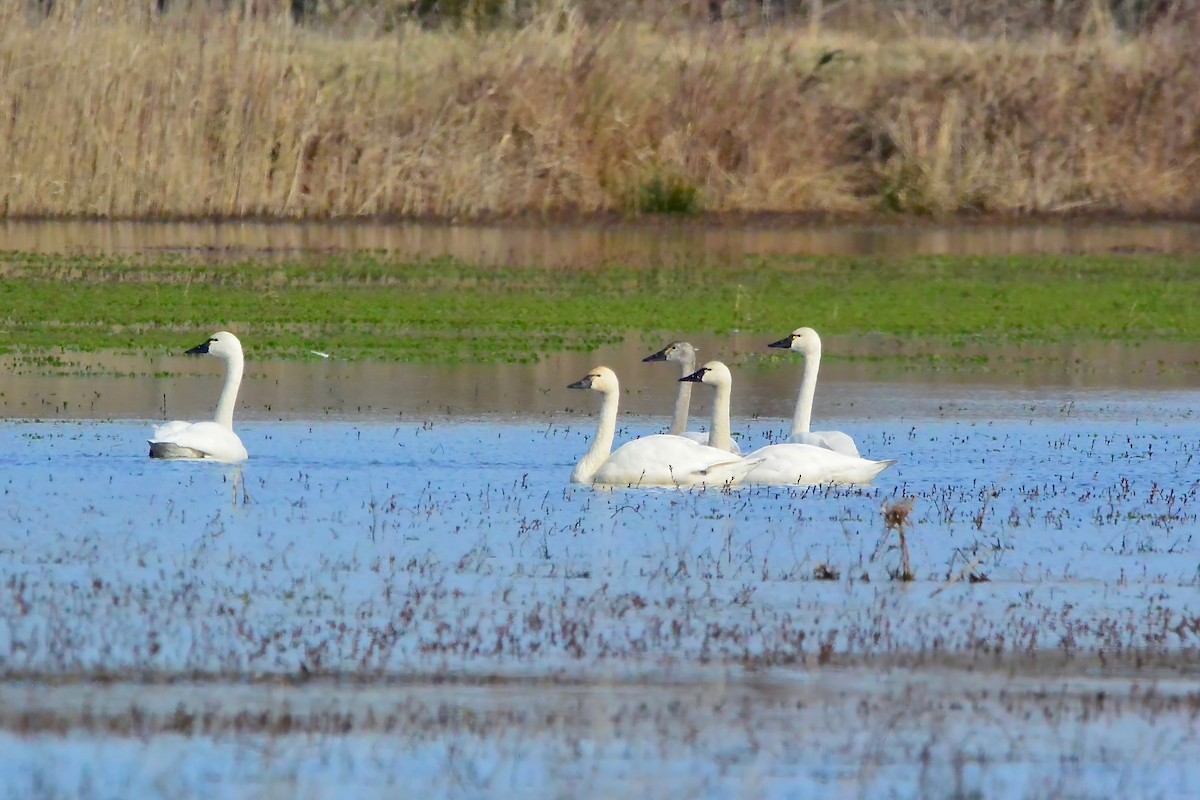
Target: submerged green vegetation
x,y
373,306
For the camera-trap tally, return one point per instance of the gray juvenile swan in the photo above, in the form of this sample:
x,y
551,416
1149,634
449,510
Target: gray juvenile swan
x,y
208,440
806,342
659,460
683,354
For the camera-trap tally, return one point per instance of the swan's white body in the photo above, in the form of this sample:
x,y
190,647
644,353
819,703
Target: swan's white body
x,y
785,464
213,440
808,465
660,460
684,354
807,342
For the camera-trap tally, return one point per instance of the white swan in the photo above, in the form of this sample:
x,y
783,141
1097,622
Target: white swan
x,y
684,354
786,464
658,460
716,374
212,440
807,342
809,465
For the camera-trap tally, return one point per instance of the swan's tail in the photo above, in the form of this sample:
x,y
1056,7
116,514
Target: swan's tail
x,y
861,473
876,468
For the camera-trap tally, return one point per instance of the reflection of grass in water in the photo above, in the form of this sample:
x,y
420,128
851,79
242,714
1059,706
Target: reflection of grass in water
x,y
366,305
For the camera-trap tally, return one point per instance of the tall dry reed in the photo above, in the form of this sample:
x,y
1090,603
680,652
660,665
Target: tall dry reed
x,y
239,112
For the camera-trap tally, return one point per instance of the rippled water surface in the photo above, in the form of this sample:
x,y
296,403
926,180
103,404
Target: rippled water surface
x,y
750,642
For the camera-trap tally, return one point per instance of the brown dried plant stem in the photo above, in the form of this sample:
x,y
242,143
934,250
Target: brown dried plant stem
x,y
895,518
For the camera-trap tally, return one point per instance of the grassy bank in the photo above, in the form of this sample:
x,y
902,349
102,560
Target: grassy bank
x,y
202,114
368,306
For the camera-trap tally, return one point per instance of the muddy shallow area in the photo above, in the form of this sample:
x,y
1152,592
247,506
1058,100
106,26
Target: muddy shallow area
x,y
824,733
575,246
862,381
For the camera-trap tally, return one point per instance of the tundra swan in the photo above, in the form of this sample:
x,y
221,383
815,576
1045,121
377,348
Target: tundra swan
x,y
658,460
807,342
683,354
785,464
212,440
806,465
716,374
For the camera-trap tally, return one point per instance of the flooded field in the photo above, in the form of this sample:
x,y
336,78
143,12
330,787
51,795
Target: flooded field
x,y
421,602
400,593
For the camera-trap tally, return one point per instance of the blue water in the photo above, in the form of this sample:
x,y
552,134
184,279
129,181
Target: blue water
x,y
1094,496
453,547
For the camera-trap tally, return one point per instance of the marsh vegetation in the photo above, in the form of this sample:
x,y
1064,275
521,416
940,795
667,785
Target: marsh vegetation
x,y
232,110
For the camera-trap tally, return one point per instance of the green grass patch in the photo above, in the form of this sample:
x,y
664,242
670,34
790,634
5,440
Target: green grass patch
x,y
371,306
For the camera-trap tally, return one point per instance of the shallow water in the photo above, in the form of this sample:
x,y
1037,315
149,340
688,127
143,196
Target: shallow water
x,y
399,593
684,635
573,246
857,386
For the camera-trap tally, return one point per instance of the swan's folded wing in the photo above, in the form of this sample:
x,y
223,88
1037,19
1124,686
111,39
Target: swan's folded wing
x,y
702,438
836,441
808,465
168,429
208,439
663,460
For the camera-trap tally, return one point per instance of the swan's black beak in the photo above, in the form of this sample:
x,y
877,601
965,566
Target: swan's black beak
x,y
784,343
199,350
661,355
695,377
583,383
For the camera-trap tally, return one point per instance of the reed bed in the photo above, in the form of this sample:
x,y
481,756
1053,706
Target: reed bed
x,y
204,112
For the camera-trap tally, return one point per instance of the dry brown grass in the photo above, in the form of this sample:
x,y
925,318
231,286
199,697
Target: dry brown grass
x,y
205,113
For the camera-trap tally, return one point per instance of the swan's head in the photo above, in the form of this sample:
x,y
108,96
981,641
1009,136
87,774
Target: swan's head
x,y
714,373
804,340
222,344
679,352
600,379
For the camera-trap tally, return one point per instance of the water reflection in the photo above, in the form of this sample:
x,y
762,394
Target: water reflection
x,y
911,378
588,245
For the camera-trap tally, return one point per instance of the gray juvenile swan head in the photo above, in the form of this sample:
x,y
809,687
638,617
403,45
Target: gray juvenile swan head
x,y
679,352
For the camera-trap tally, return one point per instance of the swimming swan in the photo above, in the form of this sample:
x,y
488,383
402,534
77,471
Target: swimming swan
x,y
807,342
684,354
658,460
716,374
212,440
786,464
809,465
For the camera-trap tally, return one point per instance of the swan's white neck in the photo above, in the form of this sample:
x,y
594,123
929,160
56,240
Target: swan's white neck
x,y
683,400
601,447
802,418
719,435
229,392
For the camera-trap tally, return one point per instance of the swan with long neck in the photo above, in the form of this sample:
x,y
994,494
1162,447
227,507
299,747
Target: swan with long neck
x,y
806,342
213,440
786,464
683,354
660,460
717,375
